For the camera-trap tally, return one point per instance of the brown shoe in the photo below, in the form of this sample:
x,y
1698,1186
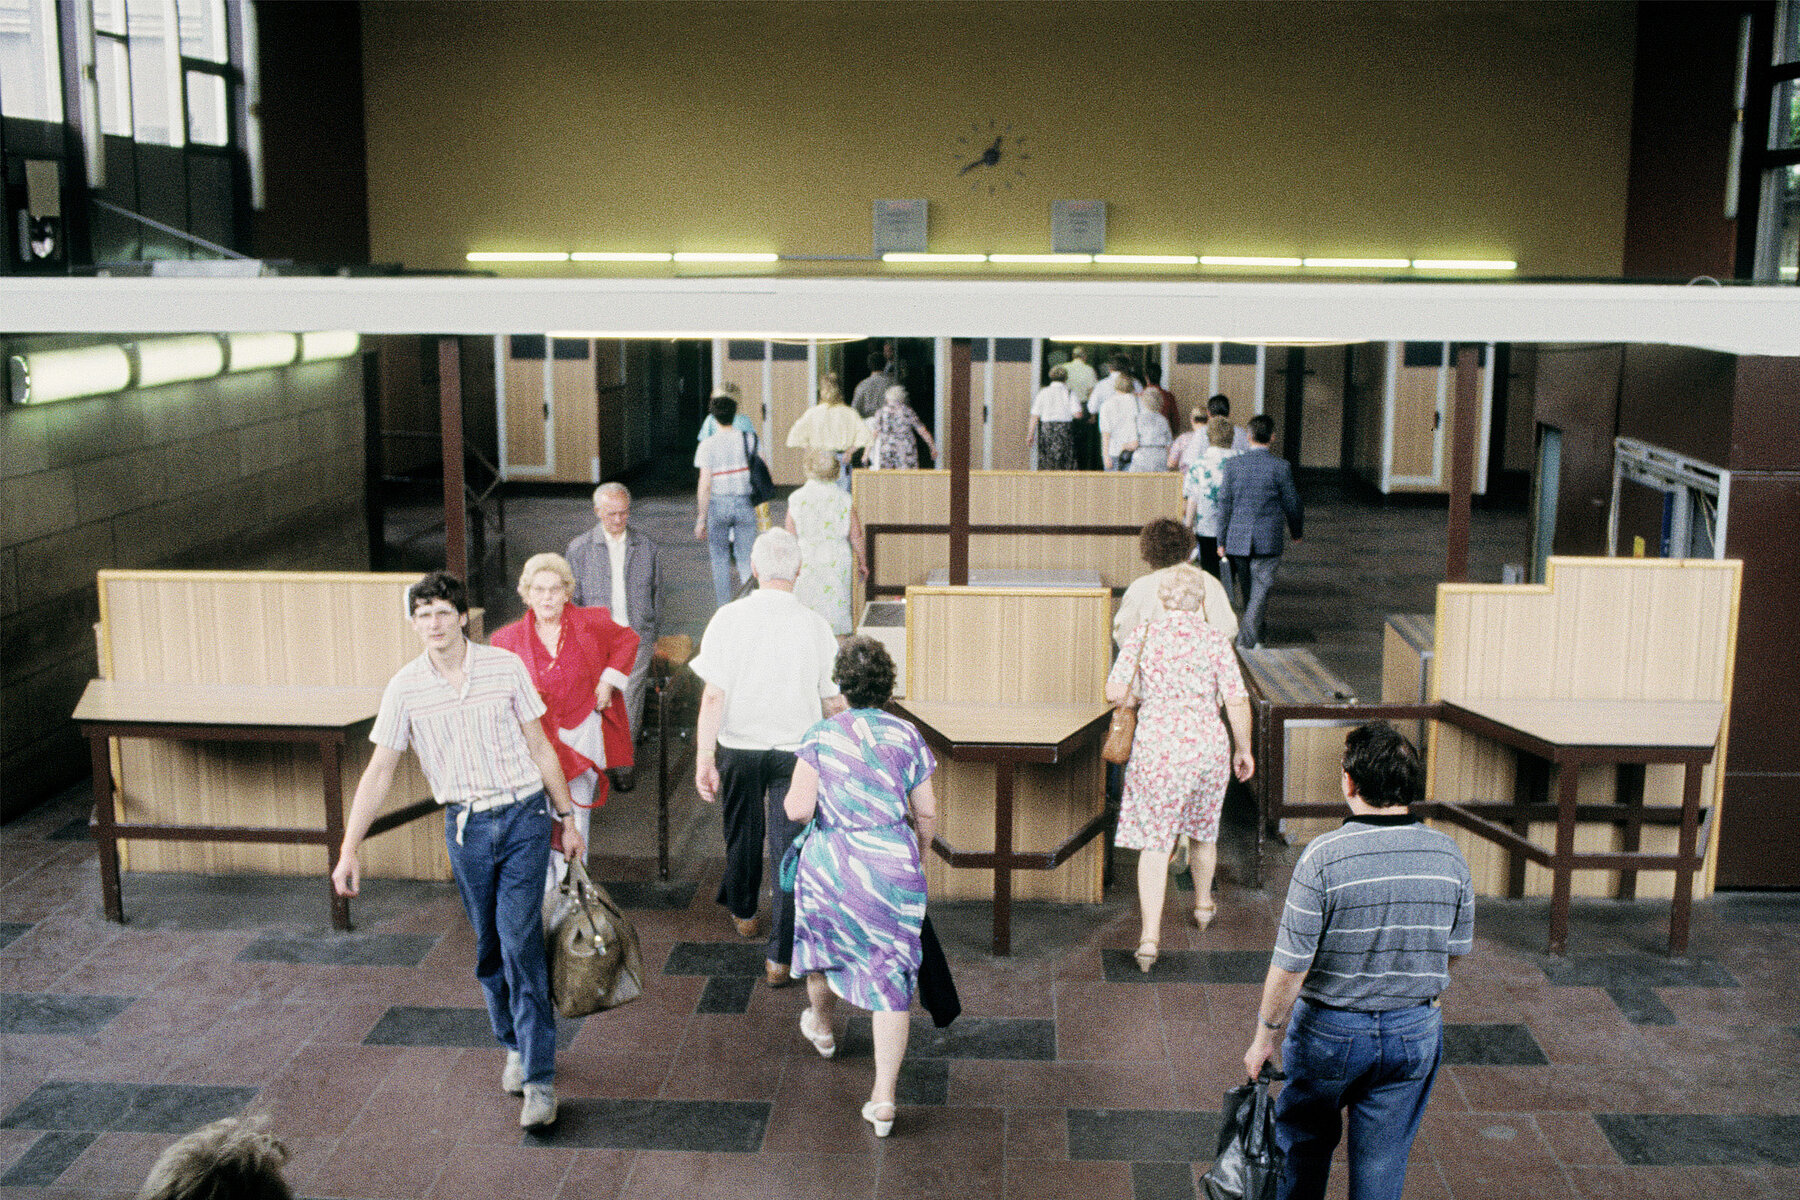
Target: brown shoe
x,y
777,975
746,926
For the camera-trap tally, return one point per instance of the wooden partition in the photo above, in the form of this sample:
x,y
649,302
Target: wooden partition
x,y
1039,519
1004,647
1598,629
1004,374
255,628
1200,370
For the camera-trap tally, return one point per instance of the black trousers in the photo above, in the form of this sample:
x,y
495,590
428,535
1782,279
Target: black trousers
x,y
753,785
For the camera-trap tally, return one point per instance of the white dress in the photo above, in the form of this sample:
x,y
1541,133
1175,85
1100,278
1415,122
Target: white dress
x,y
821,513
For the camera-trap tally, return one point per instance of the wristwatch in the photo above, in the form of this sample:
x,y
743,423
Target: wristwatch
x,y
1274,1025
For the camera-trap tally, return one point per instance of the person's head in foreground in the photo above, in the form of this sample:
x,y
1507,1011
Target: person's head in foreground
x,y
231,1159
1165,542
865,672
1381,768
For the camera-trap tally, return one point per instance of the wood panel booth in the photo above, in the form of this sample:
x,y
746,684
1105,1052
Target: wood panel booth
x,y
1403,407
1599,630
264,632
1011,650
1050,520
776,385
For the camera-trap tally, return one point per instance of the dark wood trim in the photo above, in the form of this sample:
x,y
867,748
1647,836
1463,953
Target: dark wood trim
x,y
959,461
450,426
1462,463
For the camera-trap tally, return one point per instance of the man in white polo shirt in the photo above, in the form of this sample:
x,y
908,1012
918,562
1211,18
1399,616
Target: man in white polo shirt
x,y
766,660
471,714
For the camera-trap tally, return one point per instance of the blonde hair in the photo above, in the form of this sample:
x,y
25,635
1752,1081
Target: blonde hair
x,y
232,1157
829,391
820,464
556,564
1183,589
1219,432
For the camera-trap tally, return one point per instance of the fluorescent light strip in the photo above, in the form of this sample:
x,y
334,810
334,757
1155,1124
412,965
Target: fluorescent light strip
x,y
1244,260
258,351
516,256
177,359
1041,259
329,343
1148,260
48,375
620,256
1399,264
707,256
898,256
1464,264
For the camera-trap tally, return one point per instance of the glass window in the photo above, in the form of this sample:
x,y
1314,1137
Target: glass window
x,y
203,30
112,78
29,62
208,117
1784,116
1779,226
155,73
109,16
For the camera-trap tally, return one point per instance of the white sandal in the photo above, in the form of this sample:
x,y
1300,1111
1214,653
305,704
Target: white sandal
x,y
882,1128
821,1038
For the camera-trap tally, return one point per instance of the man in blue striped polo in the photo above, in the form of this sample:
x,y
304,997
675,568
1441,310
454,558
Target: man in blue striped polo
x,y
1376,911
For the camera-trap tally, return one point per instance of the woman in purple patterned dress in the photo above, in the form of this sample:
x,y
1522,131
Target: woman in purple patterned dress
x,y
859,891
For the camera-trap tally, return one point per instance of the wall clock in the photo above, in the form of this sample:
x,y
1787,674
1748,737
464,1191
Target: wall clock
x,y
990,157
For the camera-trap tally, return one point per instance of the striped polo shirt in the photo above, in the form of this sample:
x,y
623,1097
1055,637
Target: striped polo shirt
x,y
469,742
1374,912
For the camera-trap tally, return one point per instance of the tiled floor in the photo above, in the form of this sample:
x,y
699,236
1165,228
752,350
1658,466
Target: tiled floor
x,y
1614,1072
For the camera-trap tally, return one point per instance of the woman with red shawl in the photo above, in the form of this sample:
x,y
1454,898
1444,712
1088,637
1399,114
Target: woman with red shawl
x,y
580,660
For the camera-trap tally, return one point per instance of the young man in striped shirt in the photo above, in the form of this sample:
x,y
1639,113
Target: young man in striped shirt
x,y
471,713
1376,910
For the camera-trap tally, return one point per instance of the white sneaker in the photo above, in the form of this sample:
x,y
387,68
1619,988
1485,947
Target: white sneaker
x,y
512,1077
540,1106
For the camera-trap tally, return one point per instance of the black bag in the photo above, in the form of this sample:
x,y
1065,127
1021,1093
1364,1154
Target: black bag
x,y
937,991
762,484
1249,1163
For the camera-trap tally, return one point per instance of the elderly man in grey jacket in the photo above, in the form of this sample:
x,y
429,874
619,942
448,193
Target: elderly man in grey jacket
x,y
616,567
1255,496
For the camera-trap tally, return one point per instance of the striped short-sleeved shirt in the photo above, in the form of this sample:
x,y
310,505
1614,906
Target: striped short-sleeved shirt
x,y
1374,912
469,742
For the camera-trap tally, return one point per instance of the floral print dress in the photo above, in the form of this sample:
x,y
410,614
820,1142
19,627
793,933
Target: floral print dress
x,y
1181,755
893,425
821,513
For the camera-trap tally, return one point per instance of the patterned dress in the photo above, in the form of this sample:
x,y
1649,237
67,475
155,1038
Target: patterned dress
x,y
859,892
1181,756
1201,484
893,425
821,513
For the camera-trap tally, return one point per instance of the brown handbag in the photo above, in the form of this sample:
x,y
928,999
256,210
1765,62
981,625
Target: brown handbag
x,y
1123,728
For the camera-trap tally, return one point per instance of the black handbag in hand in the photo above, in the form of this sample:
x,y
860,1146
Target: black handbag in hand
x,y
762,484
1249,1162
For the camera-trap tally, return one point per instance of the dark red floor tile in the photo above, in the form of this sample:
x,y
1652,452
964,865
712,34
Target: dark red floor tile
x,y
487,1172
1045,1180
1037,1133
1575,1139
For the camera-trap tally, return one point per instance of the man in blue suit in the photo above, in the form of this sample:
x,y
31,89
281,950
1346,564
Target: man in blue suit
x,y
1256,495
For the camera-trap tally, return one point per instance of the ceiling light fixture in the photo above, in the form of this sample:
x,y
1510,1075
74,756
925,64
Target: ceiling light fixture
x,y
1245,260
516,256
47,375
257,351
1042,259
1383,264
708,256
328,343
1464,264
1148,260
620,256
908,256
178,359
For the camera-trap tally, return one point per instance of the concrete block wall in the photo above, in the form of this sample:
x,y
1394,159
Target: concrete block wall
x,y
258,471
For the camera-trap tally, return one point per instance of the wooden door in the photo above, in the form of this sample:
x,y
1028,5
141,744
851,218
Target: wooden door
x,y
526,407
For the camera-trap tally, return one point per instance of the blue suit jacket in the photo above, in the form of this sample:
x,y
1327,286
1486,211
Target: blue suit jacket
x,y
1256,494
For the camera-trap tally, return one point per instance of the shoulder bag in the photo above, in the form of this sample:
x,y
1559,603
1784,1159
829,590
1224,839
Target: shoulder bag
x,y
762,484
1117,748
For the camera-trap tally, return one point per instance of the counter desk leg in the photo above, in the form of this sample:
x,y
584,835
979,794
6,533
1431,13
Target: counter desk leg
x,y
1003,850
106,836
1567,776
1681,904
331,768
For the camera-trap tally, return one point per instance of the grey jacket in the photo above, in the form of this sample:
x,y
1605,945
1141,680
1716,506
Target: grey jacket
x,y
1256,493
591,559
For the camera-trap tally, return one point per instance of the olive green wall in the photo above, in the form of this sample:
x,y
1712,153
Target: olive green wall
x,y
1415,130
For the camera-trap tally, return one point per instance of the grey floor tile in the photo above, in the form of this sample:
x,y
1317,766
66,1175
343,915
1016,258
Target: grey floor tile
x,y
1491,1046
1162,1181
341,949
130,1107
715,958
1188,966
410,1025
1142,1135
12,930
1641,1005
1700,1141
923,1081
1629,970
675,896
695,1126
997,1038
46,1159
58,1015
216,903
726,994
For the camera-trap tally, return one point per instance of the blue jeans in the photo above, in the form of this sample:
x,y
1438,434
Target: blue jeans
x,y
500,872
730,528
1248,579
1378,1065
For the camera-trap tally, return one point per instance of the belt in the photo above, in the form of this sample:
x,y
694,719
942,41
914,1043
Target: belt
x,y
488,804
1434,1002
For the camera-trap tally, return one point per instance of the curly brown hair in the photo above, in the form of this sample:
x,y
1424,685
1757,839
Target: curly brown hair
x,y
1165,542
865,671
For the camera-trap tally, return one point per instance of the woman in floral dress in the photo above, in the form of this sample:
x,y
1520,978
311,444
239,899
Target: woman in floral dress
x,y
859,888
1179,671
822,516
1200,485
894,424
